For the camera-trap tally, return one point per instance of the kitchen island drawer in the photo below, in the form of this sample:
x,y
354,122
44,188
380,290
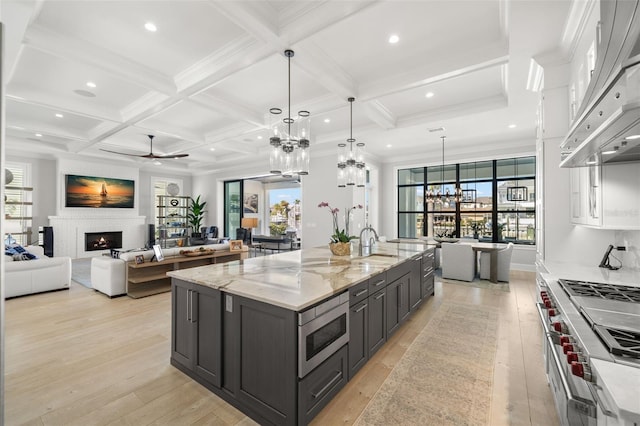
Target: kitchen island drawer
x,y
359,292
378,282
321,385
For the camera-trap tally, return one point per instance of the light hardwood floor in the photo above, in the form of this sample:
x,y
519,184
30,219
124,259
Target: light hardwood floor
x,y
79,358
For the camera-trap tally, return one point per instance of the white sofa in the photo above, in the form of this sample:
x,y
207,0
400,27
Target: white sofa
x,y
37,275
108,275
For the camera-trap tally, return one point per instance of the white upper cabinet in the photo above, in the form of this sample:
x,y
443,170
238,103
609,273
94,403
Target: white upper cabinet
x,y
606,196
583,60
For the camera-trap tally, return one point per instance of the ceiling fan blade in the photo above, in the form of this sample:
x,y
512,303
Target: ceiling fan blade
x,y
122,153
169,156
150,155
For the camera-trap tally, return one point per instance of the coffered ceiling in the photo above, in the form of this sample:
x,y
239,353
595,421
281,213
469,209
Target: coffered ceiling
x,y
204,81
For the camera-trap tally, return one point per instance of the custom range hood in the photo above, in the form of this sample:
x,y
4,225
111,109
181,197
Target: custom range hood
x,y
607,127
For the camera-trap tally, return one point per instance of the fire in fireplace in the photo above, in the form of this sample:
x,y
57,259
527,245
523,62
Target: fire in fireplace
x,y
102,240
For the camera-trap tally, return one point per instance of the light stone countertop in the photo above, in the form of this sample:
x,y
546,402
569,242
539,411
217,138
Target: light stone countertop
x,y
298,279
622,386
572,271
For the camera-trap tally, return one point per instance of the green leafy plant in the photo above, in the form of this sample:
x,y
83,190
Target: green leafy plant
x,y
196,214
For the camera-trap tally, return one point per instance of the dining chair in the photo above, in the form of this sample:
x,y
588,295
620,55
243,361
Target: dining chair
x,y
458,261
504,264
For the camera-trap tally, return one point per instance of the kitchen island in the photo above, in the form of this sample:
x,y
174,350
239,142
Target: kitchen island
x,y
278,336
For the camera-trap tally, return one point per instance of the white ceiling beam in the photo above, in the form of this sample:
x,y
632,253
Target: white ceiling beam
x,y
454,111
232,58
228,108
325,70
259,19
455,65
379,114
79,108
21,15
301,20
76,50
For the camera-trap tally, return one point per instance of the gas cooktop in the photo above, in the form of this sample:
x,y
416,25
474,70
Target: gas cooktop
x,y
612,311
605,291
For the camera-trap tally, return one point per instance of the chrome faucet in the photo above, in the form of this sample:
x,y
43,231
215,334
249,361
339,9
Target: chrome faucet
x,y
371,240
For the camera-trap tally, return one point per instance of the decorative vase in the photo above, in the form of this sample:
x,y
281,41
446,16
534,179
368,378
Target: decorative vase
x,y
340,249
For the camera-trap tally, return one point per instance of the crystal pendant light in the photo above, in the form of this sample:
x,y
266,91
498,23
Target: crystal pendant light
x,y
289,139
351,165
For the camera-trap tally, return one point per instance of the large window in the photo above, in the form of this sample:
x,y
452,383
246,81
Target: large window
x,y
18,205
497,203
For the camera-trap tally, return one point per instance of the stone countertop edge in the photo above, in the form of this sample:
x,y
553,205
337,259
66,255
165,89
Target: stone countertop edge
x,y
573,271
298,279
620,388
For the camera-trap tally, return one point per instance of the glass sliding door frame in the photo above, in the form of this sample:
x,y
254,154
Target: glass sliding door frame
x,y
233,190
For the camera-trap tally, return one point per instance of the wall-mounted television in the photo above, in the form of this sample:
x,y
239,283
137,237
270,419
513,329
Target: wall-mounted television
x,y
94,192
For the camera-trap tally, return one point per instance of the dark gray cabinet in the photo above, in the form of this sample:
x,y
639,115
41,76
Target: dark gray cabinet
x,y
377,333
397,303
358,336
427,280
321,385
415,283
196,330
262,344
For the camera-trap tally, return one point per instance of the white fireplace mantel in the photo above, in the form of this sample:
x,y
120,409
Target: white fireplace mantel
x,y
68,233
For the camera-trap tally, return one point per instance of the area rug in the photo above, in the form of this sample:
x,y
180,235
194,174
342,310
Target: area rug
x,y
81,271
446,375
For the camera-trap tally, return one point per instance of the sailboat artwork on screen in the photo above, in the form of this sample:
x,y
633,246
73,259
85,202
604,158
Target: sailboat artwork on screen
x,y
98,192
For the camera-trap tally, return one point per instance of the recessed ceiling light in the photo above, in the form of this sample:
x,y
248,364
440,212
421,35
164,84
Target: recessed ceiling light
x,y
212,149
611,151
59,115
327,120
592,162
150,26
512,126
157,163
389,145
39,135
429,95
84,93
259,137
632,137
91,84
393,39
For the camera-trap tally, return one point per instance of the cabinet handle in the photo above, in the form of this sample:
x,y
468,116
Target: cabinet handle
x,y
360,308
328,385
188,305
360,293
378,283
194,317
379,296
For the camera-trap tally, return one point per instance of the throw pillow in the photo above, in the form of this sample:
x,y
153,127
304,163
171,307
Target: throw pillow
x,y
17,249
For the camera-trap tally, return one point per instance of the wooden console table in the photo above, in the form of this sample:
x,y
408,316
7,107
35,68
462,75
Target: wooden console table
x,y
148,278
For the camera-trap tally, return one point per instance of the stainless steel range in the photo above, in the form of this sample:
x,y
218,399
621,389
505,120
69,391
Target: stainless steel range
x,y
586,321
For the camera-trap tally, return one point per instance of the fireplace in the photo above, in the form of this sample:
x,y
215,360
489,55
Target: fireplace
x,y
102,240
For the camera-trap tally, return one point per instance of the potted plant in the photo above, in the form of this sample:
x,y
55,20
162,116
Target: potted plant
x,y
195,215
340,242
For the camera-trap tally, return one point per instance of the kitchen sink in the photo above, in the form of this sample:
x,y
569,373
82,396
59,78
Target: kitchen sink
x,y
382,255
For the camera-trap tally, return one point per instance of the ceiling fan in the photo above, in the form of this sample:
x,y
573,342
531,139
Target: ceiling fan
x,y
150,154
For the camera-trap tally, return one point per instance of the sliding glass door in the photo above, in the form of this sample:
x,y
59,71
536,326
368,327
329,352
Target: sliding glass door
x,y
232,207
